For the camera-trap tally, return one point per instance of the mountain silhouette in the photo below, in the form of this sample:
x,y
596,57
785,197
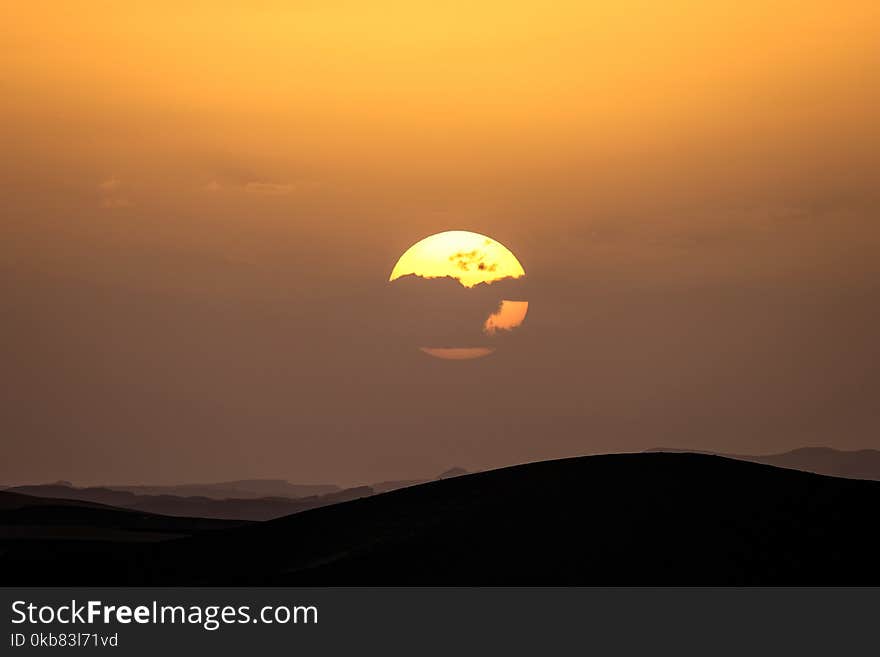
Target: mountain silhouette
x,y
387,486
622,519
260,508
860,464
239,489
38,521
452,472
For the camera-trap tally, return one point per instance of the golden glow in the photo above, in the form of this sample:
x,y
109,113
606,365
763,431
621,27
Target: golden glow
x,y
510,315
469,257
458,353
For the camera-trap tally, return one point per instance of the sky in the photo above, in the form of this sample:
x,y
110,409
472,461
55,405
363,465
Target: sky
x,y
202,204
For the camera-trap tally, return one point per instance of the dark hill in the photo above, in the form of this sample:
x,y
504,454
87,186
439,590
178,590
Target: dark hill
x,y
15,500
452,472
616,519
858,464
386,486
239,489
250,508
27,521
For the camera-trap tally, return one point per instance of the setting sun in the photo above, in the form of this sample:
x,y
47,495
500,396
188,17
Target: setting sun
x,y
462,318
468,257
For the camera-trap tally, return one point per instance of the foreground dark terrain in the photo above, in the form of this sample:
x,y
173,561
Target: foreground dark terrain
x,y
247,508
35,529
653,518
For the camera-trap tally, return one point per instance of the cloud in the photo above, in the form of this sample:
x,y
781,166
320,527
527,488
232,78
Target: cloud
x,y
270,188
464,261
110,196
261,187
116,202
109,185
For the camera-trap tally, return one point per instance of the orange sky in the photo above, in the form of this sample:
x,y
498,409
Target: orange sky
x,y
201,205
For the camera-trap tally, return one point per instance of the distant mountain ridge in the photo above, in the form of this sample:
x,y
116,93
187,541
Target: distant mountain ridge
x,y
858,464
388,486
239,489
261,508
151,499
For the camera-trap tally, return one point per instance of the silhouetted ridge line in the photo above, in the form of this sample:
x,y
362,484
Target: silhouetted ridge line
x,y
650,518
859,464
262,508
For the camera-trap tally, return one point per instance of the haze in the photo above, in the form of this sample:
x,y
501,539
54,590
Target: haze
x,y
201,208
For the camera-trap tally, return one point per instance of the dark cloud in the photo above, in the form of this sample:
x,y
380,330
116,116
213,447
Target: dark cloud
x,y
466,259
440,312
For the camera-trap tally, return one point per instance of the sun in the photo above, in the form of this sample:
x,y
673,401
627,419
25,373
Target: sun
x,y
468,257
448,315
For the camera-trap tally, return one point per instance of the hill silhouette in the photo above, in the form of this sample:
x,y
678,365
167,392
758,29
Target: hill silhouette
x,y
250,508
386,486
627,519
36,521
238,489
859,464
452,472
